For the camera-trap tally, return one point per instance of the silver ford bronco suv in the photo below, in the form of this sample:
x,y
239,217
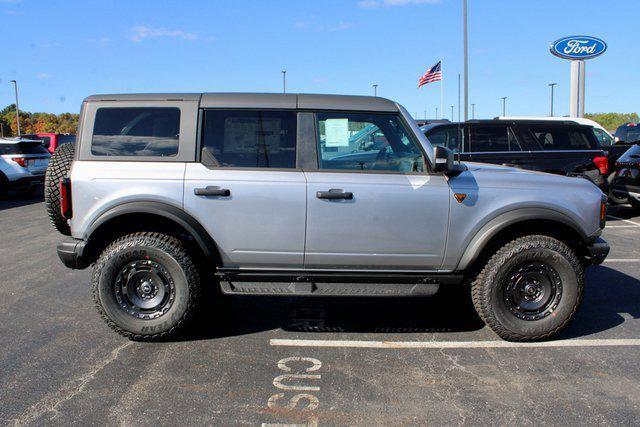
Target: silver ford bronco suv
x,y
273,194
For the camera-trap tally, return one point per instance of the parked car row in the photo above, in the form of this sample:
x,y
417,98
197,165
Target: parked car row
x,y
23,163
24,160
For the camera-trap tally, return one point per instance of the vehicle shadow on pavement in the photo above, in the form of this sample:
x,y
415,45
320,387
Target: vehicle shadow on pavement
x,y
621,211
15,200
239,315
610,296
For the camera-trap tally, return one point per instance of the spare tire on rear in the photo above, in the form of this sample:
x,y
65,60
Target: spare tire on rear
x,y
59,166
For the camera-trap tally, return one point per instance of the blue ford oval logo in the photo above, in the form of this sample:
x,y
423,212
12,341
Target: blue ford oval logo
x,y
578,47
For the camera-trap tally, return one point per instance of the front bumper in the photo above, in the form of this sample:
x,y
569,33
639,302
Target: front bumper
x,y
71,254
598,250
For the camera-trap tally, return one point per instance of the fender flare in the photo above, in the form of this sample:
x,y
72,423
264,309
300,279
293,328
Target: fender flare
x,y
167,211
506,219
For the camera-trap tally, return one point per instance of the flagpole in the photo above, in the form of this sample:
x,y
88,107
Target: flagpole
x,y
441,88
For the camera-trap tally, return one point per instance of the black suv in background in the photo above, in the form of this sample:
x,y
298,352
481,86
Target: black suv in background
x,y
564,148
628,134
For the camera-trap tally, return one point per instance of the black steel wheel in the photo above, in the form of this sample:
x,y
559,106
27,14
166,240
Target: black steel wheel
x,y
146,286
530,289
533,291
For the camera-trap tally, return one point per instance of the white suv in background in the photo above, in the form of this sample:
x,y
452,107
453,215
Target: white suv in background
x,y
604,137
23,163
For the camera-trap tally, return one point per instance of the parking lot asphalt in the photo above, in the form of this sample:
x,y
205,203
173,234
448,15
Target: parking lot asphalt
x,y
320,361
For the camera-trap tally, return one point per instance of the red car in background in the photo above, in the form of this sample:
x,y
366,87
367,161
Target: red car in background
x,y
51,141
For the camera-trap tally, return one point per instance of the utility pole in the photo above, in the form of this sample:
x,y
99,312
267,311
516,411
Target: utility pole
x,y
15,86
458,96
375,90
504,105
551,85
452,118
284,81
473,111
466,60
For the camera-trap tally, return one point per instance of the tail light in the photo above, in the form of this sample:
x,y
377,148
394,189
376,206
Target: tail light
x,y
65,198
602,163
21,161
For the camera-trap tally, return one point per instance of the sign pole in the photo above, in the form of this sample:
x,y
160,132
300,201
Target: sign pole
x,y
576,98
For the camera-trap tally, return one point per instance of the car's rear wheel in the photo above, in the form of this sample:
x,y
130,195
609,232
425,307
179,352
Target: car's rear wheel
x,y
613,198
530,289
59,166
634,203
146,286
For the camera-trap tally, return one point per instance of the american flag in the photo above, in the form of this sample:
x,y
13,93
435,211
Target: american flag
x,y
433,74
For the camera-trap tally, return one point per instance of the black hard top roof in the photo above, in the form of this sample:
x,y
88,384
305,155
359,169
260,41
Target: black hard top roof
x,y
261,100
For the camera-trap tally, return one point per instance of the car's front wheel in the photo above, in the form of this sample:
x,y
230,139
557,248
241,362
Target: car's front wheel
x,y
530,289
146,286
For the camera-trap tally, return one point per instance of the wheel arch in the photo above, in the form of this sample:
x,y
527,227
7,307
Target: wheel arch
x,y
521,222
148,216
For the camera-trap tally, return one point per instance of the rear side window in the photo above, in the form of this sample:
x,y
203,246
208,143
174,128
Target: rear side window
x,y
249,139
493,139
136,131
561,138
23,148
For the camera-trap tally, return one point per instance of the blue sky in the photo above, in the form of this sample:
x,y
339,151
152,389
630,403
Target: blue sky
x,y
60,52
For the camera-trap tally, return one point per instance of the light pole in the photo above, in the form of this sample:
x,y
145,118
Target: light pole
x,y
284,81
425,114
452,119
15,86
458,96
504,105
466,60
473,111
551,85
436,113
375,90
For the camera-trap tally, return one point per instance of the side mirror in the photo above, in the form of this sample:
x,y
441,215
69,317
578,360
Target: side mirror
x,y
444,162
443,159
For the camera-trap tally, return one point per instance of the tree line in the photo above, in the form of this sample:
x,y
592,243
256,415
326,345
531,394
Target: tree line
x,y
68,122
36,122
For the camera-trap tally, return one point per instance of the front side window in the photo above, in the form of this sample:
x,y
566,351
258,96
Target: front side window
x,y
249,139
136,131
446,136
493,139
366,142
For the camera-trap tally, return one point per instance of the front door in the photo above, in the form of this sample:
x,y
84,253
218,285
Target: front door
x,y
373,205
246,192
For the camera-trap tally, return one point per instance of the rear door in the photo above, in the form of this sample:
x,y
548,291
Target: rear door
x,y
382,212
561,148
495,143
245,189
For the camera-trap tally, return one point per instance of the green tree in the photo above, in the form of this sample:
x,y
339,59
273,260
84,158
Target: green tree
x,y
611,121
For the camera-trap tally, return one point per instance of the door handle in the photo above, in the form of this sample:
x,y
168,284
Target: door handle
x,y
334,194
212,190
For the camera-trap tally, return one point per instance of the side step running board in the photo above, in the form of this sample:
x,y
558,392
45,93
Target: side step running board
x,y
331,289
332,284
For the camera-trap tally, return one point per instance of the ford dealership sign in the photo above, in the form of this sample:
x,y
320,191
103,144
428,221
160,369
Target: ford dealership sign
x,y
578,47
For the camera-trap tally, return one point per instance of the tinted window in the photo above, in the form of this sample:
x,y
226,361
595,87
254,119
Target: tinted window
x,y
561,138
445,136
602,137
253,139
23,148
366,141
633,135
493,139
136,132
65,139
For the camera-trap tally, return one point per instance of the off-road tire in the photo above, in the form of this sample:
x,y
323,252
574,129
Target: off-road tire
x,y
159,248
59,166
634,203
488,288
613,199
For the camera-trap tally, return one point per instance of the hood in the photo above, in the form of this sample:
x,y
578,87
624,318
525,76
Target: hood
x,y
495,176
